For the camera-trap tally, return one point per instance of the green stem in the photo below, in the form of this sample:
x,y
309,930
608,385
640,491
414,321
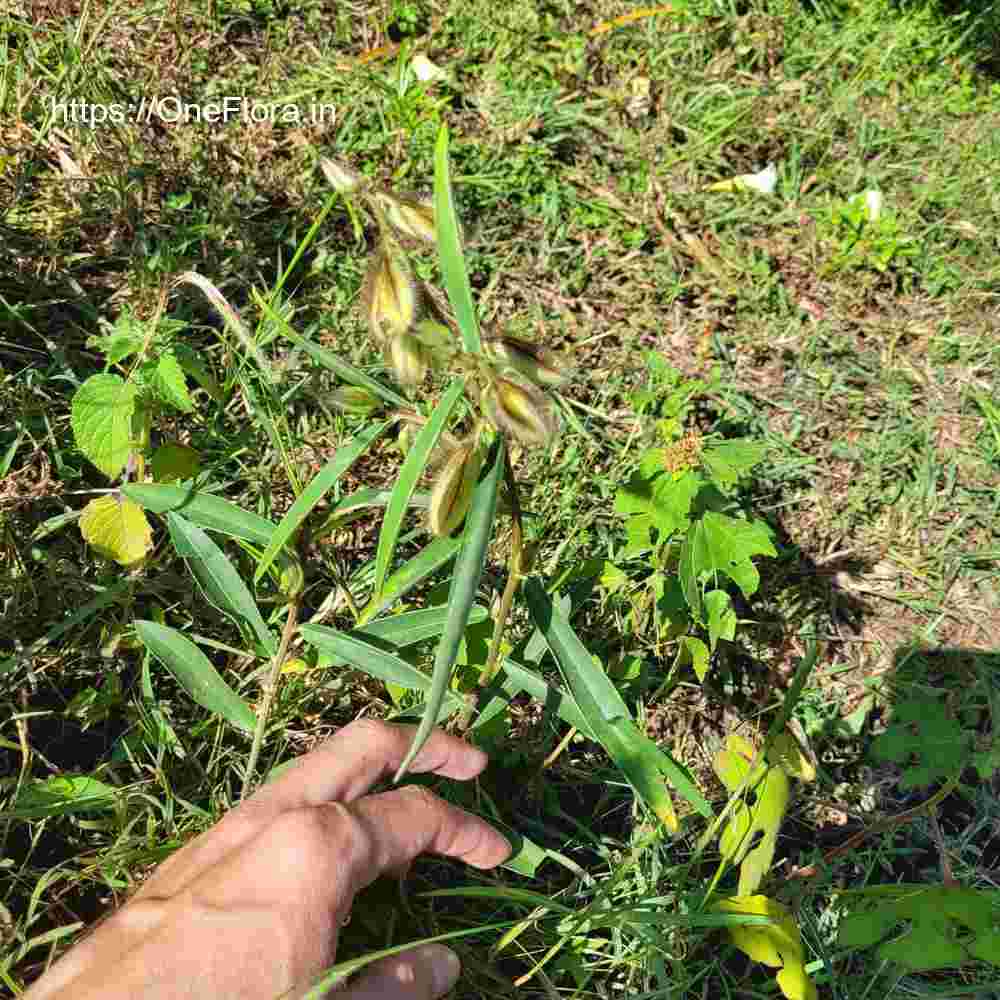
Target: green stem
x,y
270,687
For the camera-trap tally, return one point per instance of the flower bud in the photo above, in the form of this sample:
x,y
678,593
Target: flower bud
x,y
408,358
531,360
451,494
522,412
410,217
342,179
355,399
389,296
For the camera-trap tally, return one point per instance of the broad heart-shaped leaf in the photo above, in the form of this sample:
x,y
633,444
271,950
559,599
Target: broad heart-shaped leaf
x,y
165,378
344,458
694,650
116,528
172,461
204,509
730,461
721,617
453,273
217,577
195,673
716,544
461,596
63,795
101,417
413,467
778,944
770,788
921,728
666,499
608,718
945,926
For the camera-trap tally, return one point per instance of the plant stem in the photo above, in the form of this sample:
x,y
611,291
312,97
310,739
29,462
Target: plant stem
x,y
515,573
270,687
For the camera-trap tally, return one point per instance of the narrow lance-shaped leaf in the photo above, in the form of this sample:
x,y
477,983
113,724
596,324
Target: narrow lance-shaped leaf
x,y
315,491
195,673
453,273
204,509
217,577
411,471
461,596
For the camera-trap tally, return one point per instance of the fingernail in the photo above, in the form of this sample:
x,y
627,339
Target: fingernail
x,y
444,967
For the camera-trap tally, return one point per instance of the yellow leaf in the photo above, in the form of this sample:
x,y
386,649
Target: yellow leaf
x,y
116,528
777,944
791,753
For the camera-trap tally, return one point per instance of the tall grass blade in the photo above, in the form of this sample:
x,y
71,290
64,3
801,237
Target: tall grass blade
x,y
453,273
461,596
409,474
346,456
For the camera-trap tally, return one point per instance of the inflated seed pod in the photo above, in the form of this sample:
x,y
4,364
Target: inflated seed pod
x,y
412,217
409,359
531,360
389,296
522,412
452,491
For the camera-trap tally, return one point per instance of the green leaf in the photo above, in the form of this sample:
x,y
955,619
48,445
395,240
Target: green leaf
x,y
608,718
940,927
721,617
116,528
666,499
718,544
218,579
195,673
63,795
924,737
341,368
413,468
730,461
698,654
369,659
166,380
173,461
453,273
204,509
414,571
101,417
345,457
461,596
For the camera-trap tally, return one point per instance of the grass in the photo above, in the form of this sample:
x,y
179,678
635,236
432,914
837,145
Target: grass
x,y
868,365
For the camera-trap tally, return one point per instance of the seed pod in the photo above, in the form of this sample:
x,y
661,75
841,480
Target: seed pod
x,y
408,216
342,179
408,358
291,578
355,399
531,360
451,494
389,296
520,411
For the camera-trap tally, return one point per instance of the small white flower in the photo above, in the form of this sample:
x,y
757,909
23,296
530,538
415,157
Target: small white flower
x,y
873,202
424,70
765,180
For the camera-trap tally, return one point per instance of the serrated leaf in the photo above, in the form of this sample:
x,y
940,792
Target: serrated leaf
x,y
217,577
665,499
195,673
116,527
172,461
778,944
732,460
166,380
101,417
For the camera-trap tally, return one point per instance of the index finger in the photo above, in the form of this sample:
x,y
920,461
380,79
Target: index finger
x,y
343,769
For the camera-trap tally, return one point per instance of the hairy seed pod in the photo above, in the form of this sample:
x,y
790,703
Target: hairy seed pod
x,y
355,399
291,577
389,296
410,217
522,412
342,179
531,360
408,358
451,493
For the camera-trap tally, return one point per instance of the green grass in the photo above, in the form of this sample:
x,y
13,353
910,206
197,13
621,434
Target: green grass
x,y
868,365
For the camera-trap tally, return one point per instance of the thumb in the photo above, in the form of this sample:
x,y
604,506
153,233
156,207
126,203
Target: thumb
x,y
424,973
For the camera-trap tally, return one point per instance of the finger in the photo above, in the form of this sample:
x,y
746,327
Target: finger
x,y
421,974
343,769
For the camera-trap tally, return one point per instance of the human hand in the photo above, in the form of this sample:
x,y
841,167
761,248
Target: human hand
x,y
253,907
